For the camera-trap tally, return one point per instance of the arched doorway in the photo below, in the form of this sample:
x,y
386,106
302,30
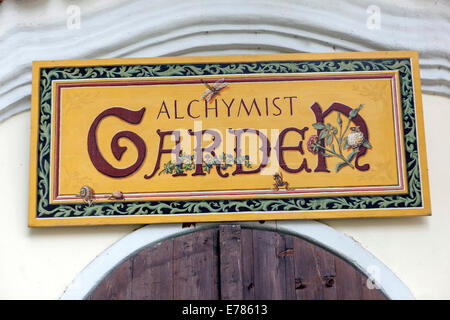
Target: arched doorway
x,y
234,262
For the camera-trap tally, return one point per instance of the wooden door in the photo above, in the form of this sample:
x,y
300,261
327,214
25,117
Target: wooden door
x,y
231,262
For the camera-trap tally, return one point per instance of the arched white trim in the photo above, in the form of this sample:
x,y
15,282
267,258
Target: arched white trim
x,y
313,231
144,28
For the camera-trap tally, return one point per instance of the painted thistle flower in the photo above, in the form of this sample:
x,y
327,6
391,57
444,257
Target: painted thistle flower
x,y
311,144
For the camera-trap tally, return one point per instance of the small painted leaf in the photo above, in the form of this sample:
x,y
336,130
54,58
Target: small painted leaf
x,y
323,134
354,112
340,165
167,168
345,146
329,139
315,147
367,144
327,154
339,120
352,155
178,170
332,148
319,125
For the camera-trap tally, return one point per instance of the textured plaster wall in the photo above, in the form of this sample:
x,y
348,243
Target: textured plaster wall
x,y
23,13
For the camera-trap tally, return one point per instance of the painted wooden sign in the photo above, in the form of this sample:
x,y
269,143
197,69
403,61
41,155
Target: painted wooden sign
x,y
259,137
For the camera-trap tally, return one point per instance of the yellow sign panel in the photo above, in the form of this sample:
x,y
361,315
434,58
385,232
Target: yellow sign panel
x,y
227,138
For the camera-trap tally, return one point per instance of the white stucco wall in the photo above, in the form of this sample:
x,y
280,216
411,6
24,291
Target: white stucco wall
x,y
41,263
35,13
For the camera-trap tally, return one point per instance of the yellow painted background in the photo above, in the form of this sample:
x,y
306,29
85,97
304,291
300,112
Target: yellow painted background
x,y
80,106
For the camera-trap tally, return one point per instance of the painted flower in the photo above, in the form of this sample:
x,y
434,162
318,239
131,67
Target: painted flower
x,y
311,144
355,138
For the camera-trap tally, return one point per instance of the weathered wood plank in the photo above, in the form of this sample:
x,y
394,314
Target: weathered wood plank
x,y
116,285
369,291
327,273
248,272
269,279
152,272
234,263
307,276
348,281
231,285
195,266
284,248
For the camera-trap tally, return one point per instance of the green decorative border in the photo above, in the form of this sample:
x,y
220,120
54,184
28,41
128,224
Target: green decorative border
x,y
411,200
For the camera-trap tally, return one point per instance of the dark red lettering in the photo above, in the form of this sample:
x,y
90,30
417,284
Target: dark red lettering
x,y
161,150
99,162
280,149
265,149
358,120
